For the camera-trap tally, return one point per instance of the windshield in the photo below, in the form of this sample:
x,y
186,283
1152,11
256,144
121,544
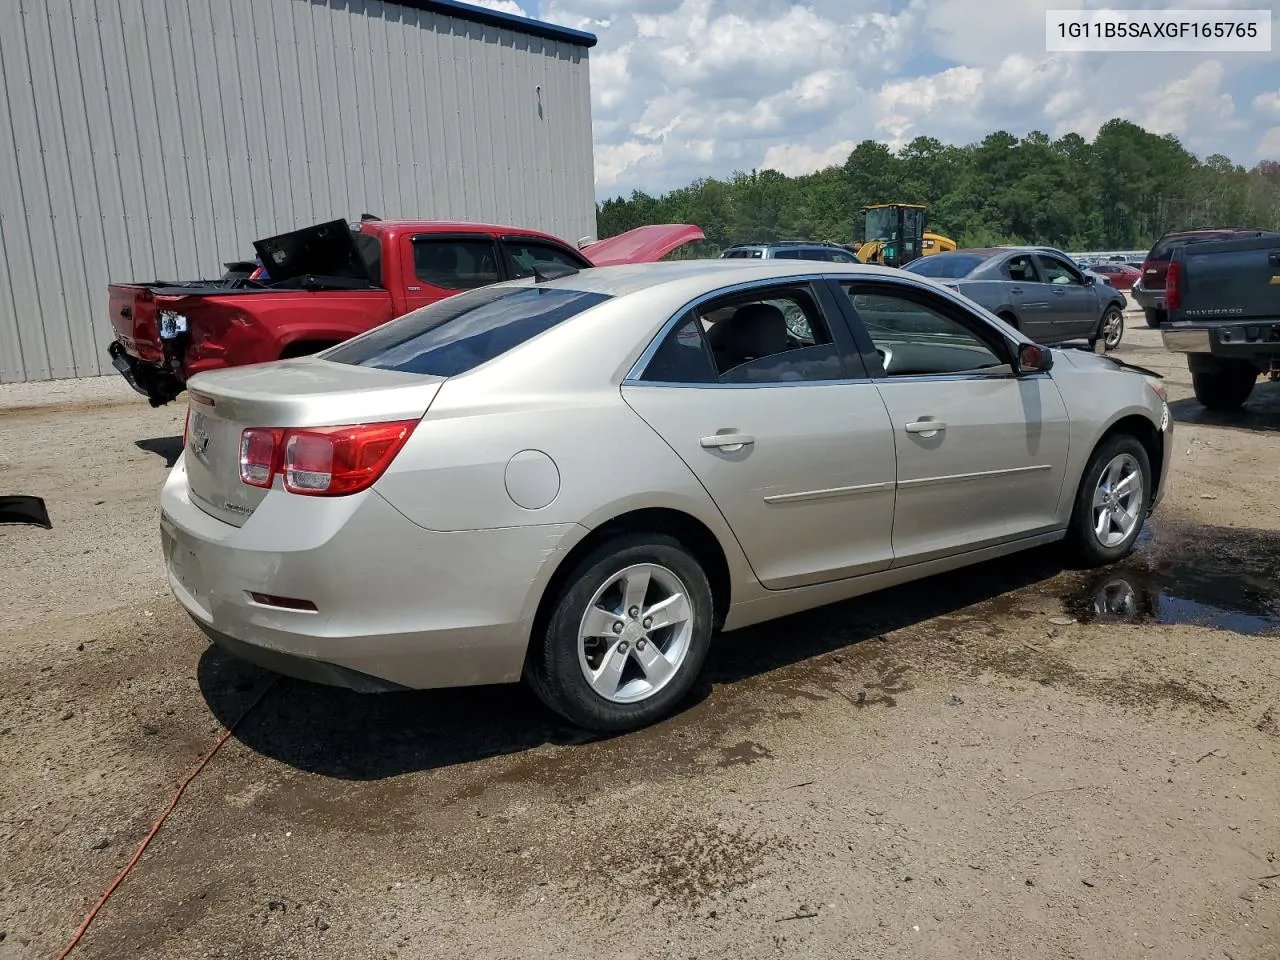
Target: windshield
x,y
882,224
459,333
947,265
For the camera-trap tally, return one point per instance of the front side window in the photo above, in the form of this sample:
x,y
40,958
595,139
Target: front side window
x,y
455,264
452,336
524,256
915,334
1055,271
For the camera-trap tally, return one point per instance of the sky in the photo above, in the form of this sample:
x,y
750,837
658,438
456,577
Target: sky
x,y
683,89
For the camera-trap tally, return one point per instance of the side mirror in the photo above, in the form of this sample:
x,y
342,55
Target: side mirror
x,y
1033,358
1089,279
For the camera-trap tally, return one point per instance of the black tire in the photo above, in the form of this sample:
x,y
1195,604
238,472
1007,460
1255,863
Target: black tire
x,y
554,669
1226,388
1010,319
1154,318
1081,537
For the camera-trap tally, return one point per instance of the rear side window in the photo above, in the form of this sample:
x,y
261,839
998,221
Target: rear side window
x,y
455,264
371,253
951,267
682,357
452,336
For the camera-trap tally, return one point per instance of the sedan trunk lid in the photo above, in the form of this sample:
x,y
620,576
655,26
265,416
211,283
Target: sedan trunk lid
x,y
307,392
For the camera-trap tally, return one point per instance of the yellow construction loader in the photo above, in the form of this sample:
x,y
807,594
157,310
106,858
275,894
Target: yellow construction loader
x,y
893,235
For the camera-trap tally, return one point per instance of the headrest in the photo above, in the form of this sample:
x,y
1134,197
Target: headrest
x,y
755,330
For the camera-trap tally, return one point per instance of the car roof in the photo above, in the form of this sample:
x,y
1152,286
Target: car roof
x,y
630,278
451,226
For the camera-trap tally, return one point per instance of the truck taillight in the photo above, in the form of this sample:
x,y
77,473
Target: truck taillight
x,y
1173,286
322,461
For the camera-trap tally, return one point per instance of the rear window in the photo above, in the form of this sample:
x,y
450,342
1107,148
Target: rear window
x,y
742,254
452,336
945,266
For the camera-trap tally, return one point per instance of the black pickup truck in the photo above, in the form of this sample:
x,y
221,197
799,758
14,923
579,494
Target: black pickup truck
x,y
1223,302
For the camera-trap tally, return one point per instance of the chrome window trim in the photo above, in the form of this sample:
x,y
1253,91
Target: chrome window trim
x,y
745,386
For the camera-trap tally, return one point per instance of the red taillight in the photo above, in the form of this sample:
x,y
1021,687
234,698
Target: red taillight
x,y
258,456
322,461
1173,286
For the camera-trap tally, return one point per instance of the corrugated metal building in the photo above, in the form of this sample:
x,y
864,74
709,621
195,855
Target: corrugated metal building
x,y
156,139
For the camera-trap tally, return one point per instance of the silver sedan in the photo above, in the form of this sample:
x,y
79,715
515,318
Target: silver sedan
x,y
580,480
1039,290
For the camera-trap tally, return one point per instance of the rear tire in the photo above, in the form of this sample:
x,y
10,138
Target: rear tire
x,y
1154,318
596,663
1111,328
1226,387
1111,502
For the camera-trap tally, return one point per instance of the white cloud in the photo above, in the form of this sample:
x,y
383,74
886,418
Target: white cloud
x,y
1269,145
1268,104
795,159
694,88
503,6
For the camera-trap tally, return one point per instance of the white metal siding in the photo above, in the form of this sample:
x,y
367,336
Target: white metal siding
x,y
156,139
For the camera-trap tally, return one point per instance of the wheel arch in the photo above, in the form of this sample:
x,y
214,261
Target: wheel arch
x,y
1141,428
694,535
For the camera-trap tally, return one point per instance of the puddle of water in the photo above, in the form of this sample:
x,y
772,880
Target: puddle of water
x,y
1213,577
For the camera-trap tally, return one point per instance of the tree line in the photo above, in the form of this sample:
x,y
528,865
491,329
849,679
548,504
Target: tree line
x,y
1121,191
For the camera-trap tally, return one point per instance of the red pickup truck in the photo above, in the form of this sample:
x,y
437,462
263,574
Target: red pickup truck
x,y
331,281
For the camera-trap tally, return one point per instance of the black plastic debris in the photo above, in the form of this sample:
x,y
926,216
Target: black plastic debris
x,y
22,509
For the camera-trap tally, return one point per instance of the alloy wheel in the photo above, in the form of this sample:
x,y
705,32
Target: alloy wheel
x,y
1118,501
1112,328
635,634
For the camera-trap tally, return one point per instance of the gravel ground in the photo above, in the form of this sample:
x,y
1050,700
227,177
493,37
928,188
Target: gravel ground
x,y
978,765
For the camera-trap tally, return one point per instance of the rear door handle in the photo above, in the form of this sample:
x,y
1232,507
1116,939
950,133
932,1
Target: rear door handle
x,y
926,427
729,441
1015,290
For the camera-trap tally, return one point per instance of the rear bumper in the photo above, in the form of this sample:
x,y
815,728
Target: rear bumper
x,y
151,380
1147,299
1258,343
399,606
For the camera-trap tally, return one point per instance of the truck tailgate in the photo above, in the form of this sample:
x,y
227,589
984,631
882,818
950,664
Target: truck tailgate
x,y
1230,280
133,317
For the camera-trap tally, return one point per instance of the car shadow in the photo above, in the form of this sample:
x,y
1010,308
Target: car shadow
x,y
1261,412
170,448
337,733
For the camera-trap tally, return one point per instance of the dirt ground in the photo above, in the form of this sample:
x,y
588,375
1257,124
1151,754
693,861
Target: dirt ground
x,y
978,765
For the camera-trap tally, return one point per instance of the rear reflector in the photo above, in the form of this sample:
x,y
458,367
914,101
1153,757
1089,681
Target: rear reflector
x,y
321,461
285,603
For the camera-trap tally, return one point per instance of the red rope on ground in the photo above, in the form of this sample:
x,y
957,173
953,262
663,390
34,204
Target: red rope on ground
x,y
155,827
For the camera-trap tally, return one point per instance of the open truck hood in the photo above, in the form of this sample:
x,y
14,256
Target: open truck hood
x,y
642,245
323,250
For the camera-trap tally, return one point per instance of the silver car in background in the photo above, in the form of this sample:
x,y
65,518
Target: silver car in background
x,y
1039,290
580,480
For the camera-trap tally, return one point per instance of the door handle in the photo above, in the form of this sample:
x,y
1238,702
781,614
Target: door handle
x,y
729,441
1015,290
1059,292
926,428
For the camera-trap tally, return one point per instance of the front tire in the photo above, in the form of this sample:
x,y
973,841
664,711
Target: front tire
x,y
627,636
1226,387
1111,502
